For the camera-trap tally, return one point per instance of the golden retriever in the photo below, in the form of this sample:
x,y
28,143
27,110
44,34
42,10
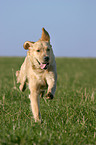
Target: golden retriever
x,y
39,69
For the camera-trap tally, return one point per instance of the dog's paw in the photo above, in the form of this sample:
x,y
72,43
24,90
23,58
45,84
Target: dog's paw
x,y
21,87
17,73
17,76
49,96
38,121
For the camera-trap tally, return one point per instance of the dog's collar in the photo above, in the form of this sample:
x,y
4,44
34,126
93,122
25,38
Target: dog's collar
x,y
42,65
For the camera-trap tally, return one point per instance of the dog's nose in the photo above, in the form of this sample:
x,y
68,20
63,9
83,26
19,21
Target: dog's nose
x,y
46,58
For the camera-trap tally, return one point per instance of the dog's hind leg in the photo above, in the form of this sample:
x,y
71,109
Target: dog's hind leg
x,y
21,76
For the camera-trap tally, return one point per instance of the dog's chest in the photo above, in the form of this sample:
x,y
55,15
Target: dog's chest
x,y
41,81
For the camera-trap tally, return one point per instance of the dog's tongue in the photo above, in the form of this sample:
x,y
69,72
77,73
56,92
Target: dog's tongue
x,y
42,65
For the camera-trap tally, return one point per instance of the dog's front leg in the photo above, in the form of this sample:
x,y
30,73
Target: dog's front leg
x,y
34,98
51,81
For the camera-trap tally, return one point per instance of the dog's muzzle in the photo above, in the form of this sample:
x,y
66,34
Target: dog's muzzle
x,y
43,65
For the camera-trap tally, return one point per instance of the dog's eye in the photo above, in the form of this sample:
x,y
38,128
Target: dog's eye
x,y
48,49
38,50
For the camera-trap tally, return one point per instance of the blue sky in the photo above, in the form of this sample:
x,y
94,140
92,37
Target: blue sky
x,y
70,23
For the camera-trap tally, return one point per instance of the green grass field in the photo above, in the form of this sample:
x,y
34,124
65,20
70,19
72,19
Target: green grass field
x,y
70,118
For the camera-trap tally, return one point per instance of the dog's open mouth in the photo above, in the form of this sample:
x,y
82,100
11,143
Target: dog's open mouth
x,y
43,65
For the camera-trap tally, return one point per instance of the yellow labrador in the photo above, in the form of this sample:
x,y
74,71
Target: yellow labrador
x,y
39,69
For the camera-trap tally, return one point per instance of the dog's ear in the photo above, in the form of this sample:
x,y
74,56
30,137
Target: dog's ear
x,y
45,35
28,44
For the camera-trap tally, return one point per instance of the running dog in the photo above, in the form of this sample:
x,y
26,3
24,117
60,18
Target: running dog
x,y
38,71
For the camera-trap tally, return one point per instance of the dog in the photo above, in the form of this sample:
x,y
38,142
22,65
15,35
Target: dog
x,y
38,71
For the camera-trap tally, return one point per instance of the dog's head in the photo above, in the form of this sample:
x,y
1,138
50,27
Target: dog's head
x,y
40,52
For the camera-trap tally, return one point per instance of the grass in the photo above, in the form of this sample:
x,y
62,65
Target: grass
x,y
68,119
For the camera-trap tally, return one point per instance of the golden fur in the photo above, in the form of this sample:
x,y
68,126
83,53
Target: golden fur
x,y
39,68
